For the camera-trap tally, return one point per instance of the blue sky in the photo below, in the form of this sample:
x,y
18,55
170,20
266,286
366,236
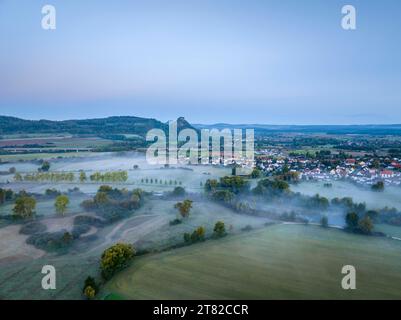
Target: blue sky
x,y
253,61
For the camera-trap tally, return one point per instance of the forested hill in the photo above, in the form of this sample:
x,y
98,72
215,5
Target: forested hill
x,y
102,126
260,129
140,126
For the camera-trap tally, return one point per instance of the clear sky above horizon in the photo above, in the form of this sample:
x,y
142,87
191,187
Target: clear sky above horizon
x,y
211,61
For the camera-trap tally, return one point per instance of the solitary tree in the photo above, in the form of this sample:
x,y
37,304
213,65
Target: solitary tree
x,y
324,222
366,225
198,234
45,166
101,198
219,229
61,204
82,176
352,219
24,207
379,186
184,207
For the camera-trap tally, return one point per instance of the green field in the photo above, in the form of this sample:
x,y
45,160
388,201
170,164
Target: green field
x,y
277,262
44,155
391,231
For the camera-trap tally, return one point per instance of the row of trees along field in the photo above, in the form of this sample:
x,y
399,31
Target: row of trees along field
x,y
184,209
45,176
161,181
114,176
199,234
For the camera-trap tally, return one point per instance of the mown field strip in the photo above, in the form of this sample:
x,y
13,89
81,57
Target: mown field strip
x,y
278,262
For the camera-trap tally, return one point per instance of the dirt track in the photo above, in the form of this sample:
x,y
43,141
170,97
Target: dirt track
x,y
16,248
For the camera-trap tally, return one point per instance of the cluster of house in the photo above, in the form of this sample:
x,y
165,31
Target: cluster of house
x,y
359,173
358,170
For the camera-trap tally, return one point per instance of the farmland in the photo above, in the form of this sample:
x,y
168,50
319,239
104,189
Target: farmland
x,y
286,260
278,262
60,142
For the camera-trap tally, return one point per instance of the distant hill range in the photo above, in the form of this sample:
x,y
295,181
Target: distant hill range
x,y
102,126
385,129
140,126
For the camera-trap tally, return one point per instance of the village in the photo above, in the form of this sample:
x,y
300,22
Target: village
x,y
364,170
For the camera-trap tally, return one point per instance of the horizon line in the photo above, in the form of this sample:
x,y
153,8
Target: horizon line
x,y
202,124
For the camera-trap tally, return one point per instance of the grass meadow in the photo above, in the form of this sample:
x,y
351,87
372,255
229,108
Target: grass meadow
x,y
277,262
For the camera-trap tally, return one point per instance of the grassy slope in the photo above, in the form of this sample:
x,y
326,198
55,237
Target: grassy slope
x,y
278,262
22,281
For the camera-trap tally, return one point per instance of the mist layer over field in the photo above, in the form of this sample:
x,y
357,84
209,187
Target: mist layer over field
x,y
150,229
374,200
144,176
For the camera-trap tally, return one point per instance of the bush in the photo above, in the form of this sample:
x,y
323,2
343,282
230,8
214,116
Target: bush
x,y
45,166
74,190
88,205
219,229
247,228
114,204
256,173
90,282
324,222
175,222
223,195
379,186
178,192
52,192
198,234
89,292
32,228
51,241
187,237
88,220
78,230
234,184
272,188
